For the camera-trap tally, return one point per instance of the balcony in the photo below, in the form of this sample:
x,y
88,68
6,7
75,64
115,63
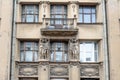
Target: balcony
x,y
59,27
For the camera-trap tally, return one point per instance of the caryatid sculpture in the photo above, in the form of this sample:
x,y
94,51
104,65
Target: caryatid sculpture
x,y
44,48
74,48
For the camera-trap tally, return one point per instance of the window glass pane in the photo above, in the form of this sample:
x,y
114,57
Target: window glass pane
x,y
80,10
80,18
82,53
22,56
58,56
23,10
87,10
29,56
36,55
65,55
36,9
87,52
93,18
28,46
23,18
52,56
36,18
36,47
93,10
87,18
29,18
22,46
30,9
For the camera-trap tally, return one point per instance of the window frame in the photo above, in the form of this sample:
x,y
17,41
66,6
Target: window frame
x,y
24,7
24,50
90,14
53,56
54,13
95,52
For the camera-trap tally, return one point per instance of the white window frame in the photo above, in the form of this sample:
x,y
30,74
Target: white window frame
x,y
87,53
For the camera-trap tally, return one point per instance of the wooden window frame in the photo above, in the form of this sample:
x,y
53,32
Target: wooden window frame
x,y
90,14
25,50
54,14
64,51
24,14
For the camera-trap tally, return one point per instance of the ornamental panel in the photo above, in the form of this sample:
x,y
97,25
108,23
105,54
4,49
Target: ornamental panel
x,y
28,70
59,70
89,70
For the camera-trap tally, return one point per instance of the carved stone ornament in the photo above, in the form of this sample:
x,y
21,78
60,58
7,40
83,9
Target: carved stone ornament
x,y
59,70
44,48
89,70
74,64
74,48
28,70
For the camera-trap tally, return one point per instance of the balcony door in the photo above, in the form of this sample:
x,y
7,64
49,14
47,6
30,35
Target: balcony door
x,y
58,15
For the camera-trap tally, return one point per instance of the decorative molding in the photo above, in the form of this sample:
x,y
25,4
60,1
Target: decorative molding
x,y
74,63
28,70
89,70
73,2
59,70
44,2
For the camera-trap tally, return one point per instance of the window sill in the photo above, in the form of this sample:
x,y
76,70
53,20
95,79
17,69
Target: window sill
x,y
53,62
27,61
28,22
97,23
91,62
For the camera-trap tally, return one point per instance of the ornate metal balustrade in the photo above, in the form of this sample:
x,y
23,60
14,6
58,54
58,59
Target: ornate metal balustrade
x,y
59,26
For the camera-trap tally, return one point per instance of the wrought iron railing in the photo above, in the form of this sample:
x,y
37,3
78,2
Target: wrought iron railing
x,y
59,23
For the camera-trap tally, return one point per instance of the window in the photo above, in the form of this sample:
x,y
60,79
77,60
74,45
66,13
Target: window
x,y
87,14
88,51
89,79
28,51
58,14
30,13
59,51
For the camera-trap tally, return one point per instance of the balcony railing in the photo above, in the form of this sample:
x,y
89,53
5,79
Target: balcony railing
x,y
59,26
59,23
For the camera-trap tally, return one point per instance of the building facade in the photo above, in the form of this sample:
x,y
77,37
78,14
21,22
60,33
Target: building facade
x,y
59,40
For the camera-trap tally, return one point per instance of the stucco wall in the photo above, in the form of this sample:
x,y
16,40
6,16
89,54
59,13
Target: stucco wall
x,y
5,37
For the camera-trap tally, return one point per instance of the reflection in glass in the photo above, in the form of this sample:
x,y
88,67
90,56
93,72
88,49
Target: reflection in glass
x,y
87,14
28,51
30,13
28,56
88,52
59,51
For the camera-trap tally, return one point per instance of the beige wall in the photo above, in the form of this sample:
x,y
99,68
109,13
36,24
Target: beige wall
x,y
85,32
5,37
114,38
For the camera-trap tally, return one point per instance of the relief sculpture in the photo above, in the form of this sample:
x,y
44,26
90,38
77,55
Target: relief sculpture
x,y
43,48
74,49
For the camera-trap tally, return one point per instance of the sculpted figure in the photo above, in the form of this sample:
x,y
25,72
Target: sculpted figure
x,y
43,50
74,49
